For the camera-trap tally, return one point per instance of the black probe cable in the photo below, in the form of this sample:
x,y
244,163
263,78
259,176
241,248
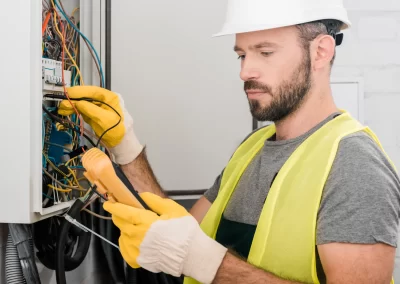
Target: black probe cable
x,y
67,124
64,97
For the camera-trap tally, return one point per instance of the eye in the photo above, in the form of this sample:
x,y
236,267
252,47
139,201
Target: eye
x,y
266,54
241,57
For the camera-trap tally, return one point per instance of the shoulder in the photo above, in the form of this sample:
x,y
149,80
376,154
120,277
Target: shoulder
x,y
359,153
361,198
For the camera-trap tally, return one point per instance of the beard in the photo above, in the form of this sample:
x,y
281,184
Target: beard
x,y
286,98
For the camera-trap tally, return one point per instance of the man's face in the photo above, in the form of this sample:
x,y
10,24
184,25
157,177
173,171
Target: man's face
x,y
276,71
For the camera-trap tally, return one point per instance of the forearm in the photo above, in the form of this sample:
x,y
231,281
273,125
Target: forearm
x,y
141,175
234,270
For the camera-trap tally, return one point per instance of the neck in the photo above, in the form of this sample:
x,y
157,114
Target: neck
x,y
317,106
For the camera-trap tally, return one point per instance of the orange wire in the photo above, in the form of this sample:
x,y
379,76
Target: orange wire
x,y
62,66
46,22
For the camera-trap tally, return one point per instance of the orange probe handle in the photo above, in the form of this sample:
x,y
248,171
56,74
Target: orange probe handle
x,y
100,171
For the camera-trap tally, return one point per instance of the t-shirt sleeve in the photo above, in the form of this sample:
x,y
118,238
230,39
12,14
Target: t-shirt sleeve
x,y
212,193
361,198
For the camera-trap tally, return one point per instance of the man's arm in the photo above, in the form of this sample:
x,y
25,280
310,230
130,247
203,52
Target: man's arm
x,y
342,263
141,175
200,209
357,263
235,270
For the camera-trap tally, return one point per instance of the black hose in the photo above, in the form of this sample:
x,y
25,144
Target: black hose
x,y
13,269
114,267
84,238
117,262
131,275
63,264
21,236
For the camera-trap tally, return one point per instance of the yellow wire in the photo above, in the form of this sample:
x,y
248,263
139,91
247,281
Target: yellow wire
x,y
69,161
75,179
74,11
59,189
73,174
54,166
63,42
66,49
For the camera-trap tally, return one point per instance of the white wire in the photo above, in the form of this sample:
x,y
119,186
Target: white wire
x,y
86,229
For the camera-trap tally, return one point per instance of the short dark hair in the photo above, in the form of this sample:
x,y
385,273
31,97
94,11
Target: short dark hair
x,y
309,31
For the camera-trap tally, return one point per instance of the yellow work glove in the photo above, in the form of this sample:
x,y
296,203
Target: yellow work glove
x,y
172,242
121,139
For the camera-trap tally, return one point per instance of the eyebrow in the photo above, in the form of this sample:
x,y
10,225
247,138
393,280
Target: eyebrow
x,y
257,46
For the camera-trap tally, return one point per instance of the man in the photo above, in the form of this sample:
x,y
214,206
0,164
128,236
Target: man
x,y
310,199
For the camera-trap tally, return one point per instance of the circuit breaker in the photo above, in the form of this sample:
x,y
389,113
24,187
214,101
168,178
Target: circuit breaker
x,y
52,76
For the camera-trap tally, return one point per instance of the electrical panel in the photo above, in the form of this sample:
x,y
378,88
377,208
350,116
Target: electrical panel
x,y
65,137
42,173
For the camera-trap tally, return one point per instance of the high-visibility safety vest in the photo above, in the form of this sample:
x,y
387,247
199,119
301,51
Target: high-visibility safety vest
x,y
284,242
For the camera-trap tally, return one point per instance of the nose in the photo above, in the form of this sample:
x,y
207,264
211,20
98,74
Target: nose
x,y
249,71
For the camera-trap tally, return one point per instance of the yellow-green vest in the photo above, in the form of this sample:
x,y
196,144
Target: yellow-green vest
x,y
284,242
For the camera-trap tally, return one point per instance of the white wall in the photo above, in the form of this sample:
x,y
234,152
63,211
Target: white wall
x,y
372,50
181,86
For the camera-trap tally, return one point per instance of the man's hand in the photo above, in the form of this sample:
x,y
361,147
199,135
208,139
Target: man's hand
x,y
121,139
171,242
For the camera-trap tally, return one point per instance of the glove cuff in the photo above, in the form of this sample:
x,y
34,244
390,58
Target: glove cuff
x,y
129,147
128,150
204,258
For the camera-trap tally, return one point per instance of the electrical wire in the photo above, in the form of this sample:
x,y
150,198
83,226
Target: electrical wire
x,y
59,189
83,36
75,179
66,123
46,22
60,183
61,35
97,215
86,42
63,58
53,96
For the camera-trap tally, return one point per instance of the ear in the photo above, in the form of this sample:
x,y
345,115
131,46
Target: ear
x,y
324,50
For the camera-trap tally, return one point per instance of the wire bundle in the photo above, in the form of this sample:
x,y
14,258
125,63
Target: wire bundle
x,y
64,34
61,35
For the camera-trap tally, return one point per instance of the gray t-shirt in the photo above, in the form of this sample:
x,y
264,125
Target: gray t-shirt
x,y
361,198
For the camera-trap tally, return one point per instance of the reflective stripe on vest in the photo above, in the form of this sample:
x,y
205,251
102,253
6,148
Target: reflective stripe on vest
x,y
285,239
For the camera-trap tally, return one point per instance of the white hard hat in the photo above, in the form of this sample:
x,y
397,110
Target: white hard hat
x,y
255,15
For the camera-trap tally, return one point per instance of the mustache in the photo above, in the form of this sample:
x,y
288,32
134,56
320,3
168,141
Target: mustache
x,y
254,85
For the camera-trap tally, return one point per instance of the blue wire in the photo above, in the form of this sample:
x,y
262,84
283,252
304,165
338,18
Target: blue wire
x,y
75,28
48,196
52,160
